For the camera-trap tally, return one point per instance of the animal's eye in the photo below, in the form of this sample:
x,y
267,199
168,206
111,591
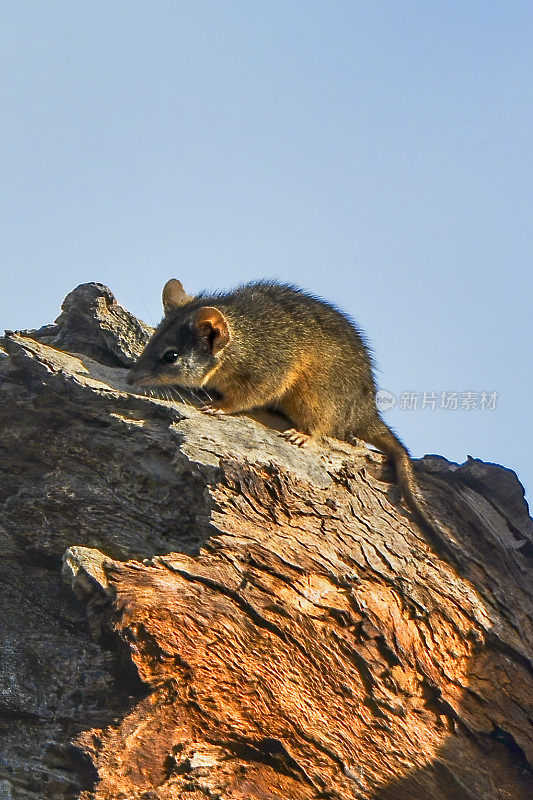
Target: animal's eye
x,y
169,357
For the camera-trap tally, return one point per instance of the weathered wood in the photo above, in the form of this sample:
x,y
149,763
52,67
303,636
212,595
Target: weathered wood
x,y
253,620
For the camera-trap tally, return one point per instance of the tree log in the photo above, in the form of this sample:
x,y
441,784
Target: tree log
x,y
235,617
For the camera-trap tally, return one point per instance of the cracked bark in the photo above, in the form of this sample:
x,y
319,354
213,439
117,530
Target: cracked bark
x,y
240,618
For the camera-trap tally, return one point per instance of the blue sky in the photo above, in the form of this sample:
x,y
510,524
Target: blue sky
x,y
378,154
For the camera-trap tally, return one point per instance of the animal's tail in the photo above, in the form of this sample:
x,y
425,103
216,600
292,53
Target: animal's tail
x,y
381,436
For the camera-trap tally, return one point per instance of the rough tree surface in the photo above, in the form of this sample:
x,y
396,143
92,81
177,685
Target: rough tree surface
x,y
235,617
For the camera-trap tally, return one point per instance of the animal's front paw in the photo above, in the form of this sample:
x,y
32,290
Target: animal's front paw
x,y
296,437
212,410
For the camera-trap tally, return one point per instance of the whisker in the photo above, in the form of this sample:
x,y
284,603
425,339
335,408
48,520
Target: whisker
x,y
180,396
147,311
209,398
196,396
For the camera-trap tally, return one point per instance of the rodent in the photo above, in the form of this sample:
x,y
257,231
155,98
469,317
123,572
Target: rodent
x,y
267,344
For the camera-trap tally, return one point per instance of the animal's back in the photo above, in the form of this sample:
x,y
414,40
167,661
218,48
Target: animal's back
x,y
308,346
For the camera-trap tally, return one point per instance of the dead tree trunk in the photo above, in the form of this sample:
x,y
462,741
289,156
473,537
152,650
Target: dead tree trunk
x,y
243,619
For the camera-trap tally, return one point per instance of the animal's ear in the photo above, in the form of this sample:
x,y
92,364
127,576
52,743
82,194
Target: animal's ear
x,y
174,295
213,326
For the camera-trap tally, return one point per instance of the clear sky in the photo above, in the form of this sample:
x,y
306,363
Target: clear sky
x,y
379,154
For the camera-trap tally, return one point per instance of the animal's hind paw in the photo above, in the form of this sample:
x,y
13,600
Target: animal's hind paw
x,y
296,437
